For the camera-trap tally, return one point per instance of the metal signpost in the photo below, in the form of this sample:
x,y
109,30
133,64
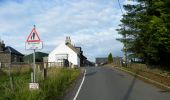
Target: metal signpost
x,y
33,43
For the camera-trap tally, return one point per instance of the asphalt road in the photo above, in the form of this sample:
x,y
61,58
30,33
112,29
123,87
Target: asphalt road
x,y
106,84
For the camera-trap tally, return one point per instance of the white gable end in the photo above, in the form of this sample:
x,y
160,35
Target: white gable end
x,y
64,49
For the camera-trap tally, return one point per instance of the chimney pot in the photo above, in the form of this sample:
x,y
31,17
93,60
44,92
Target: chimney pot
x,y
68,40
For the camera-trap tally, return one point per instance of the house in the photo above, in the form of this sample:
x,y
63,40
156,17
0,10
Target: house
x,y
82,57
89,63
9,55
68,54
101,60
38,57
104,60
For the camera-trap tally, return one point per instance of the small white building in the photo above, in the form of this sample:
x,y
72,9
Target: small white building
x,y
65,51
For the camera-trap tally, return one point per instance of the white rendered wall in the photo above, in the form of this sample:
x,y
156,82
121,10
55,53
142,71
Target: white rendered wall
x,y
63,49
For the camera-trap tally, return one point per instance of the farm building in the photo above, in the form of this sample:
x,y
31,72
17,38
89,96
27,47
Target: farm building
x,y
67,54
9,55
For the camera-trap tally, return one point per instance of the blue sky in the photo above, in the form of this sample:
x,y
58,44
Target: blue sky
x,y
91,24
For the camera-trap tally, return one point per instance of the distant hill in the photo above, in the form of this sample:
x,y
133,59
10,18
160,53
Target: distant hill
x,y
38,57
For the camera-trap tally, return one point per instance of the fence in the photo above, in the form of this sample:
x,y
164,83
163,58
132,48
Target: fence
x,y
41,64
41,67
17,69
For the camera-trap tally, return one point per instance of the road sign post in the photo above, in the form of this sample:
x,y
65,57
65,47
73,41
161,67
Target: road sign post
x,y
34,65
33,43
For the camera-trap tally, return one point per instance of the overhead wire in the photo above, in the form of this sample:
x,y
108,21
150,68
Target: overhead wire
x,y
120,6
125,52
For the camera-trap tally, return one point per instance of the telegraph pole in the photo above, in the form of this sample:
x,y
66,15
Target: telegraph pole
x,y
124,37
125,48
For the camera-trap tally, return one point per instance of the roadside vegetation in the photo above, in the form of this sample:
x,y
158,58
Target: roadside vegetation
x,y
53,87
146,37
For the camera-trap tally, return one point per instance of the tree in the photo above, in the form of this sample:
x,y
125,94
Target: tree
x,y
146,27
110,58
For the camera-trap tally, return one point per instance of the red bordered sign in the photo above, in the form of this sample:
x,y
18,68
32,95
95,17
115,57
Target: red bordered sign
x,y
33,41
33,36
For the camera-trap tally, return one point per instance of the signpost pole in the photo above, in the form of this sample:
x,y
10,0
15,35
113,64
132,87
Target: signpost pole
x,y
34,66
33,42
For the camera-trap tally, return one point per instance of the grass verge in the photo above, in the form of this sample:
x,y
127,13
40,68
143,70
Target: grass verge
x,y
58,80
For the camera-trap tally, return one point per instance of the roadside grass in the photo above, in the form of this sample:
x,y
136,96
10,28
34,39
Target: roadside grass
x,y
58,81
143,67
53,87
156,74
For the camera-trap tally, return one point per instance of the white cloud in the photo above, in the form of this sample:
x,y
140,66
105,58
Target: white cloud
x,y
90,23
100,43
133,2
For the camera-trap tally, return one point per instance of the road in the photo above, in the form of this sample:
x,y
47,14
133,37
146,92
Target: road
x,y
103,83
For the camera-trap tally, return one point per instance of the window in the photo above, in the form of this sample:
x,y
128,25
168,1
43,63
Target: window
x,y
61,57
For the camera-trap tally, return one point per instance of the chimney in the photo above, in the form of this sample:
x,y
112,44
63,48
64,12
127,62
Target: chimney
x,y
2,46
68,40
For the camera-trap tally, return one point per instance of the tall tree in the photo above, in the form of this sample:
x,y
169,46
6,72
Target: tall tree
x,y
146,27
110,58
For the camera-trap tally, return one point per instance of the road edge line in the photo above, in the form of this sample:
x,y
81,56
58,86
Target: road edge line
x,y
77,93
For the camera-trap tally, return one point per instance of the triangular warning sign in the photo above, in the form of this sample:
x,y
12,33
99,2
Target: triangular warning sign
x,y
33,36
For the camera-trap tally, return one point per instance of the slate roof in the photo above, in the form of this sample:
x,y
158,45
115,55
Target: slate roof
x,y
13,51
84,57
73,48
77,50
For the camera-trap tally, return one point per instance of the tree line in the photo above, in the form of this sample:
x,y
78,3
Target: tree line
x,y
145,30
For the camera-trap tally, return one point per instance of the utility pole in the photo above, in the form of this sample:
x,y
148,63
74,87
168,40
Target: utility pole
x,y
125,48
124,38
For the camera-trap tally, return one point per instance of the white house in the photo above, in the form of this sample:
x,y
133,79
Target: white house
x,y
65,51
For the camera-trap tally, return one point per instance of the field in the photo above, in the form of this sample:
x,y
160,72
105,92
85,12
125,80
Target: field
x,y
14,85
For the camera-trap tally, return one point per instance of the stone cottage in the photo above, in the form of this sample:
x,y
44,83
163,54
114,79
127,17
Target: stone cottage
x,y
66,52
9,54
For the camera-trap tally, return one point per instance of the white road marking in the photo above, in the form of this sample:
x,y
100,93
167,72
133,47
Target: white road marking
x,y
75,97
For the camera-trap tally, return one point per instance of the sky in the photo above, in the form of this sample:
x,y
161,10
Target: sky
x,y
91,24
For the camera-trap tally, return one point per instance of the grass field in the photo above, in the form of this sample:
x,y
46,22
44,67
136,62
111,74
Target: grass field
x,y
53,87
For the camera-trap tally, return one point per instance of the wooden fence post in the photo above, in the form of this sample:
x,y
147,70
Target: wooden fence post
x,y
45,71
32,77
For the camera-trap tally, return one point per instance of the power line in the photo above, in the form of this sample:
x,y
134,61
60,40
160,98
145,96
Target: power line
x,y
120,6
